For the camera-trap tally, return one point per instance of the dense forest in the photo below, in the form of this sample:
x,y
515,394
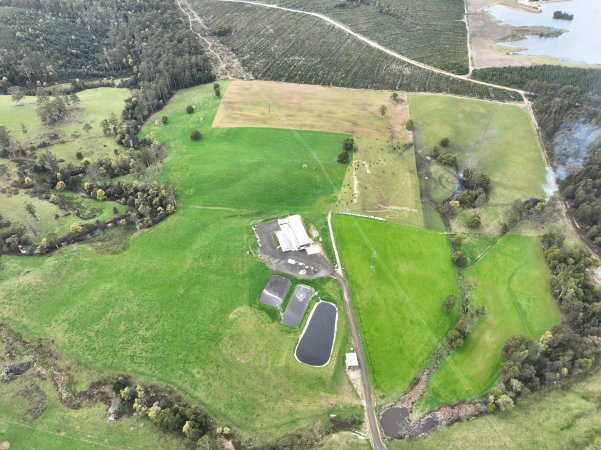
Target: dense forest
x,y
567,104
147,43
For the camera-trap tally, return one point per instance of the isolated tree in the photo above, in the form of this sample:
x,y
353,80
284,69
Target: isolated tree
x,y
79,155
343,157
459,259
87,127
30,208
196,135
383,109
449,303
394,97
218,92
444,142
16,93
348,145
474,221
165,120
189,109
410,125
106,128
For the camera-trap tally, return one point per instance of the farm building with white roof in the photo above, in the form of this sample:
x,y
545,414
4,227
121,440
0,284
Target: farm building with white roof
x,y
292,234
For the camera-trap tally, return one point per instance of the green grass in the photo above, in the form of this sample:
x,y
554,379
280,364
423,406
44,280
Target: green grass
x,y
512,282
94,106
59,427
180,304
442,181
399,301
497,139
560,418
50,218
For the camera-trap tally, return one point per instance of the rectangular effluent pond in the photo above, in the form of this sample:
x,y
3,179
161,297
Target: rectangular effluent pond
x,y
275,291
293,315
315,344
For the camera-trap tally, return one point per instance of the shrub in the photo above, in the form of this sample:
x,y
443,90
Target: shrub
x,y
75,228
343,157
60,186
196,135
79,155
348,145
189,109
165,120
410,125
474,221
444,142
449,302
459,259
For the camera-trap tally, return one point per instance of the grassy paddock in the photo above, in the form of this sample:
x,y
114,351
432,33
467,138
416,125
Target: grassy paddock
x,y
498,139
381,181
512,282
180,303
399,278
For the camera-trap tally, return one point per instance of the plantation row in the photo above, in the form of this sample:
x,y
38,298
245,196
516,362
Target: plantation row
x,y
428,31
283,46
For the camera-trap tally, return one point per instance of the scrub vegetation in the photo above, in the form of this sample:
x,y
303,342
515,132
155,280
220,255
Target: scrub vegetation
x,y
562,417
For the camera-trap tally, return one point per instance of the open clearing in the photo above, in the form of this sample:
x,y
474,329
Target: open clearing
x,y
181,303
559,418
498,139
512,282
382,180
399,277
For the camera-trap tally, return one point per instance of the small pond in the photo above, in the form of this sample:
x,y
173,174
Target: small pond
x,y
315,344
581,43
396,424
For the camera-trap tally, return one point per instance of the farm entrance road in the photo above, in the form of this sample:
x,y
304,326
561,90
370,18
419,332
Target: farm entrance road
x,y
373,427
375,45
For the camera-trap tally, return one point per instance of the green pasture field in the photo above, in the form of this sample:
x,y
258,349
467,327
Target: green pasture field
x,y
498,139
94,106
180,304
399,277
49,217
512,282
560,418
59,427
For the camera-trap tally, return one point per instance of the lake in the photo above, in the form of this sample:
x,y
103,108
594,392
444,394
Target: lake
x,y
581,43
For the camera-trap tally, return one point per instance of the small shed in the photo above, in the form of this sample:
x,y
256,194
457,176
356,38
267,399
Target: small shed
x,y
351,361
